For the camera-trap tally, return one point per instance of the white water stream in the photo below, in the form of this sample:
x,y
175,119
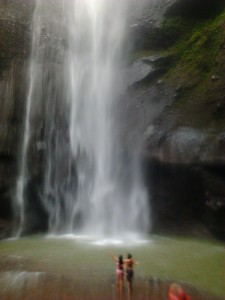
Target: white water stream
x,y
75,86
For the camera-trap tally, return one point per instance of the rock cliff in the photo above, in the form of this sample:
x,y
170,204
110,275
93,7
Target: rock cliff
x,y
184,128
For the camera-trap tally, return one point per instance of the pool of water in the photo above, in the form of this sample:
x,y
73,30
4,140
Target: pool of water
x,y
196,262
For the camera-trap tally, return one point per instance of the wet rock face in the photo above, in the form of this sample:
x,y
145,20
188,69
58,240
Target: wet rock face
x,y
15,17
146,31
186,199
15,22
186,145
184,166
36,219
177,197
195,8
145,19
148,12
185,176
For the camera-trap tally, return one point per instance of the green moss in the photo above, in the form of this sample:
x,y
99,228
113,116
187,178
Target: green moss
x,y
202,48
175,28
197,71
200,53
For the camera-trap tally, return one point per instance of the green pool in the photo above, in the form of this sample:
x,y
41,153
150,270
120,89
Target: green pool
x,y
197,262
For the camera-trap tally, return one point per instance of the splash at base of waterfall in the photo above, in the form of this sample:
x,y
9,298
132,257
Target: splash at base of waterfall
x,y
130,239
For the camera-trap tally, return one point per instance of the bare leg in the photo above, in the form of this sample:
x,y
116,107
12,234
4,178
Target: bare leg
x,y
119,288
129,289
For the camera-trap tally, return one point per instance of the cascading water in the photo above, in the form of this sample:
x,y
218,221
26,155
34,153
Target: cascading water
x,y
75,84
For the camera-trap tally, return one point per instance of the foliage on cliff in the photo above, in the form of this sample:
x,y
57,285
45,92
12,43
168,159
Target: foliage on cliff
x,y
192,125
197,75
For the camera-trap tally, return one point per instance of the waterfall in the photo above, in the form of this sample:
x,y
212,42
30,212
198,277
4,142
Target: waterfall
x,y
22,179
75,88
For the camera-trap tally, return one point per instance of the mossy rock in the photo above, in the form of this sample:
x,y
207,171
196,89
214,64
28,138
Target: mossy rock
x,y
197,76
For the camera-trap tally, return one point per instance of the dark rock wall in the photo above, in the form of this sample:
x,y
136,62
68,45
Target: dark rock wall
x,y
177,193
184,146
195,8
15,22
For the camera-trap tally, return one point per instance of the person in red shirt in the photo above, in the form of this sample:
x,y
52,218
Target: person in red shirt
x,y
176,292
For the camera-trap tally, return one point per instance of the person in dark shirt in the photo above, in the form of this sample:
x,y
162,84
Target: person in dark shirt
x,y
129,263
